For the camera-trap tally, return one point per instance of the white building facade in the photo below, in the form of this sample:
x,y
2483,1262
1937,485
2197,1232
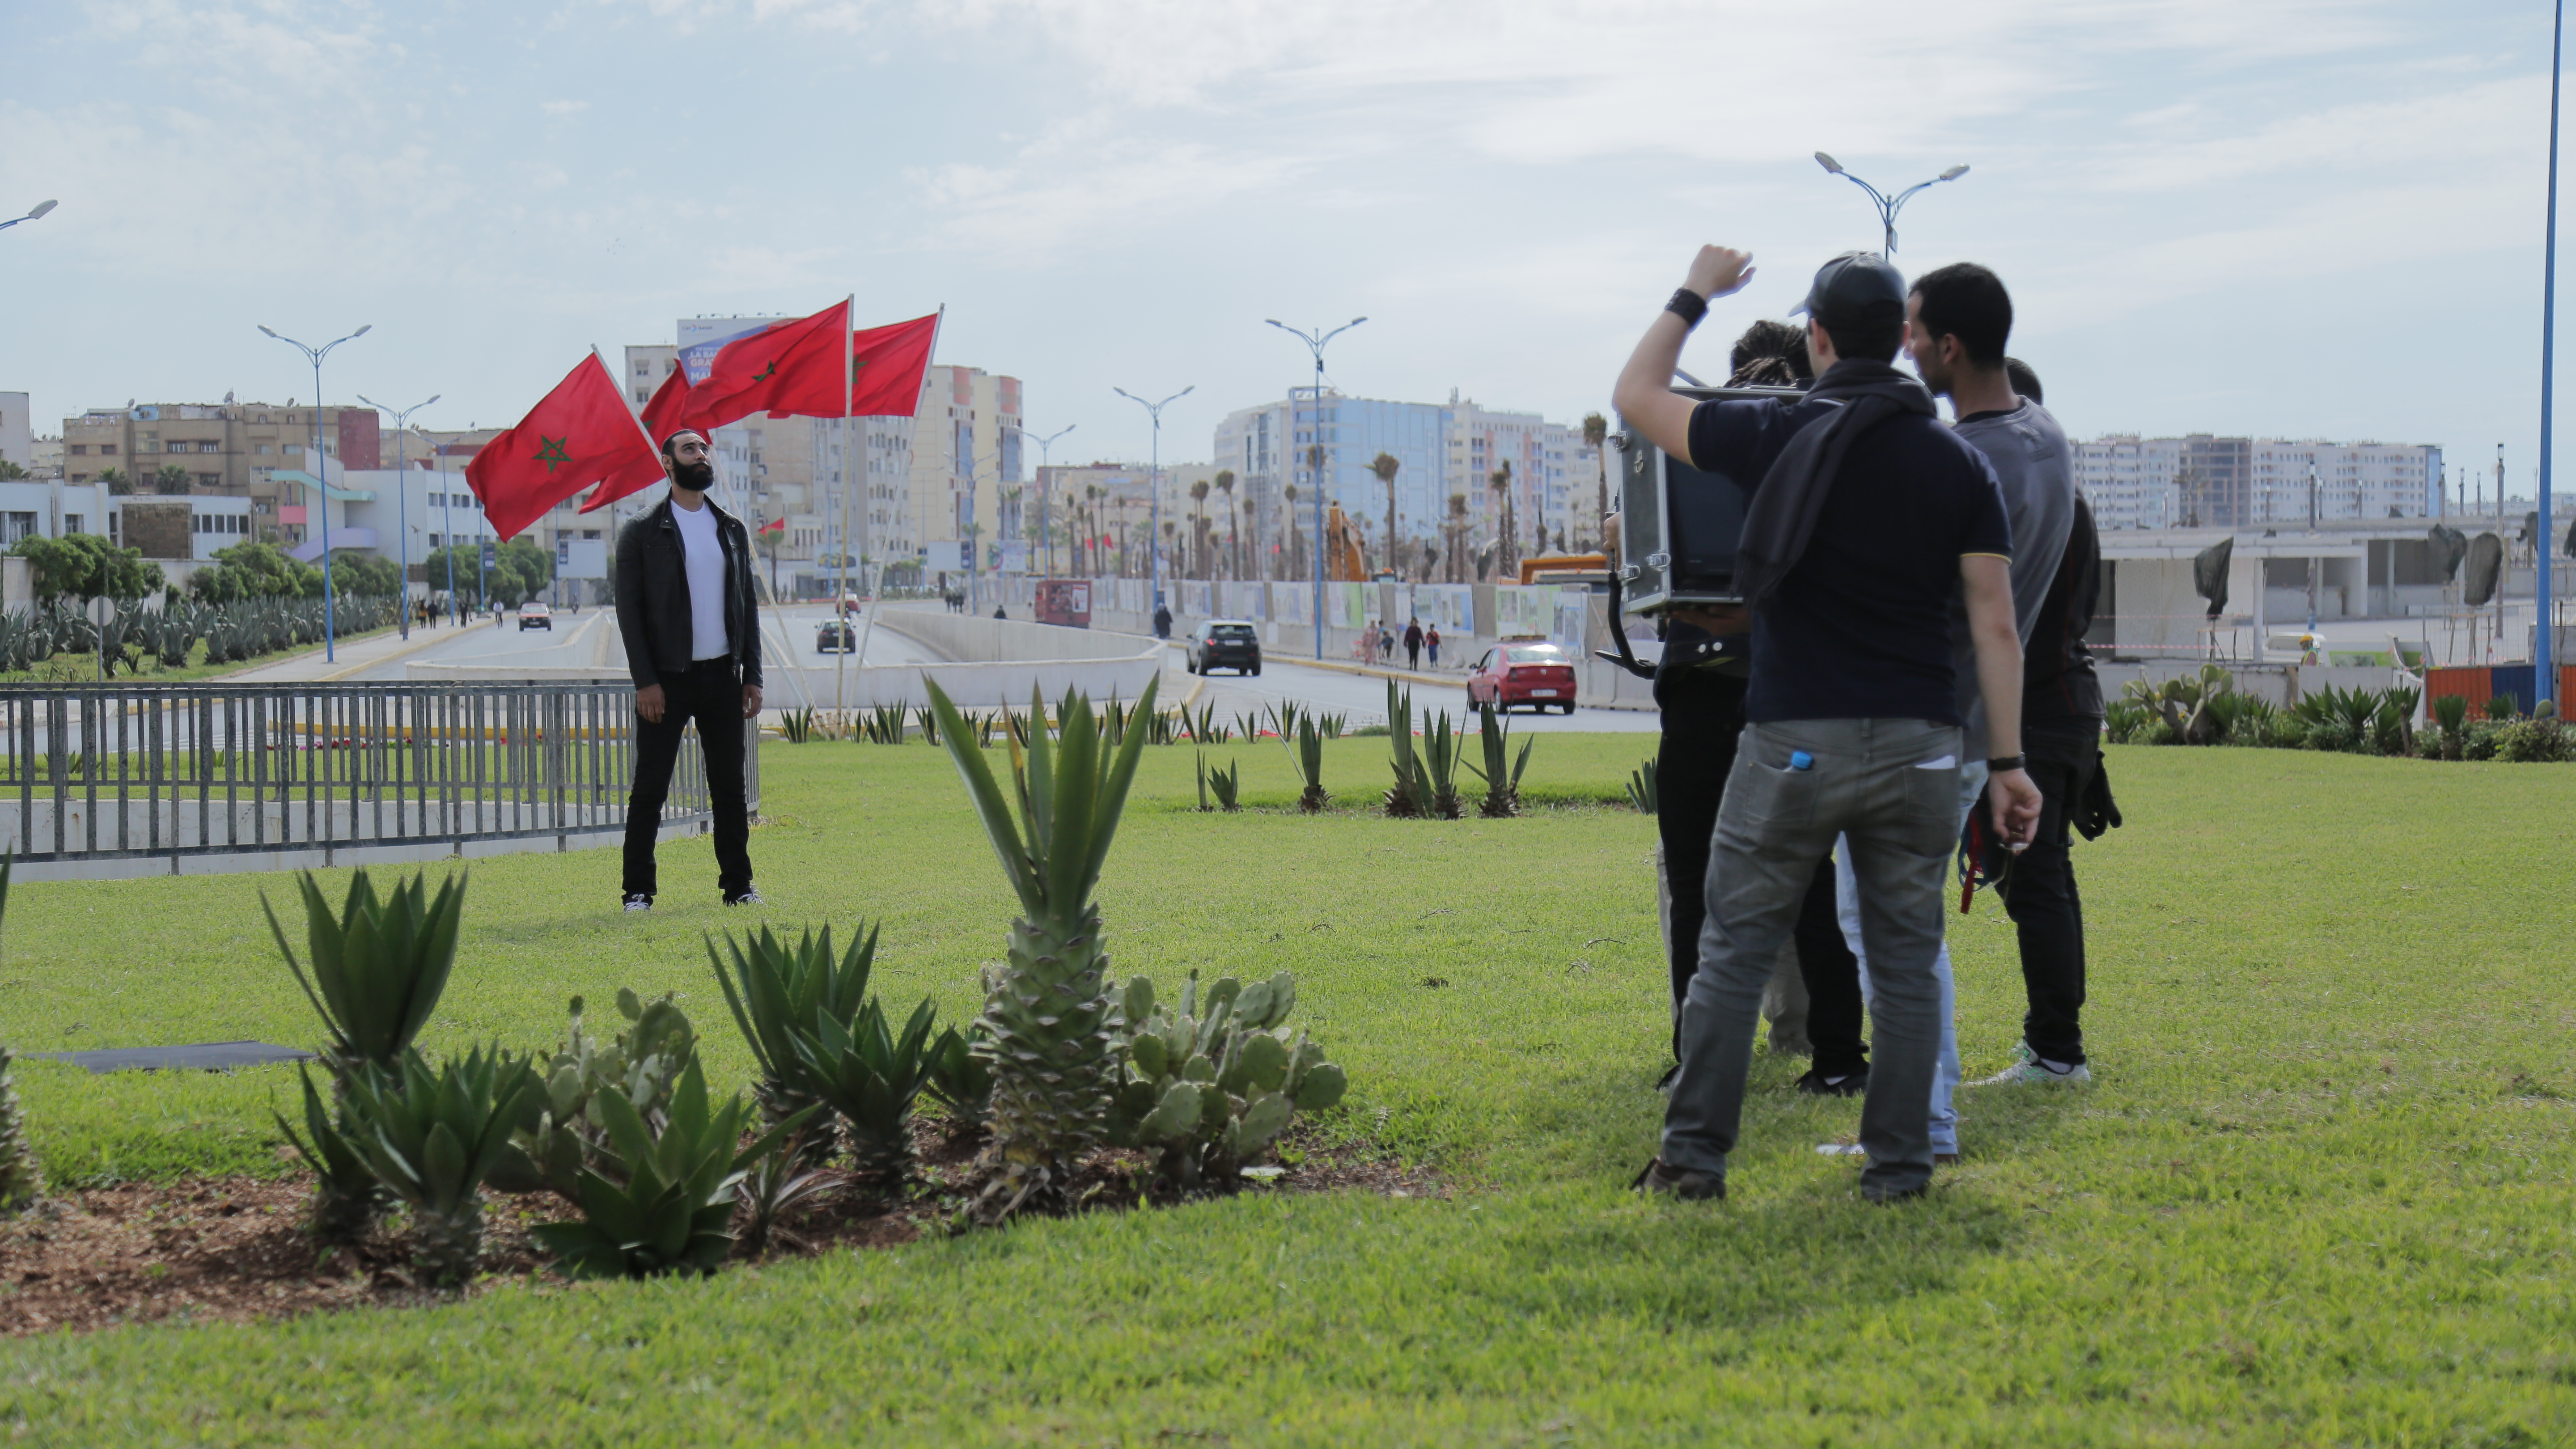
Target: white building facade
x,y
2134,482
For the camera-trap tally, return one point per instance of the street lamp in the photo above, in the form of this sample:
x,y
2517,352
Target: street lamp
x,y
41,208
2544,653
1888,206
1315,344
1154,518
1045,530
402,501
330,644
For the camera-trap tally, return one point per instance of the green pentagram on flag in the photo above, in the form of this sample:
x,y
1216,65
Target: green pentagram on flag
x,y
765,372
552,454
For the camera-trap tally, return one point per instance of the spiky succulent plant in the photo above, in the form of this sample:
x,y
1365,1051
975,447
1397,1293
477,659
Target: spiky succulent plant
x,y
1046,1012
431,1137
669,1208
22,1177
871,1075
1209,1083
379,965
1501,772
775,990
1409,795
346,1195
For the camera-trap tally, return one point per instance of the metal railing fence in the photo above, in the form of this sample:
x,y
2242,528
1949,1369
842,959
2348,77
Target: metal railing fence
x,y
108,770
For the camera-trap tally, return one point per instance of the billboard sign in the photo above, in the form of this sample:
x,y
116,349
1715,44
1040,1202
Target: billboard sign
x,y
581,558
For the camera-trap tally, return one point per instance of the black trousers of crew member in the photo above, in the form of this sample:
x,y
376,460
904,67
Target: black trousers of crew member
x,y
2039,889
709,693
1703,713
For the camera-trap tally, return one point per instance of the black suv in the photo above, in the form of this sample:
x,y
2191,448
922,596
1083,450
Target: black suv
x,y
1224,644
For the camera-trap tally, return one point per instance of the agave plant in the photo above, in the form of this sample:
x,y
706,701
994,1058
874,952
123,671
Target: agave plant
x,y
961,1076
1204,806
2451,712
927,722
776,990
1228,784
1502,785
432,1137
1405,798
776,1186
378,965
871,1075
797,725
673,1210
1641,786
1442,753
346,1194
1047,1009
1307,752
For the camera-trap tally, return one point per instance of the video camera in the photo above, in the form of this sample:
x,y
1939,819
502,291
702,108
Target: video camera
x,y
1678,525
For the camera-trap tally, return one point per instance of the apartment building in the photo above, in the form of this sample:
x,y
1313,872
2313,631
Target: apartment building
x,y
229,448
2200,481
964,476
17,433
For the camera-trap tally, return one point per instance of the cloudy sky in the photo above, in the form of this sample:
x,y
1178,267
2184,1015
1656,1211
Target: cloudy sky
x,y
2287,217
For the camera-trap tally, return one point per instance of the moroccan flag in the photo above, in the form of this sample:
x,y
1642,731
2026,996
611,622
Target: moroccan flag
x,y
792,368
775,525
886,364
580,434
666,414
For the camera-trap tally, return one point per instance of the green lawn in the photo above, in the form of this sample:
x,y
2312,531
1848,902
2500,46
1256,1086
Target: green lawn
x,y
2321,1193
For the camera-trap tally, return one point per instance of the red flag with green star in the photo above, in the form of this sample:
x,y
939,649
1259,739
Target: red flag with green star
x,y
667,413
793,367
578,435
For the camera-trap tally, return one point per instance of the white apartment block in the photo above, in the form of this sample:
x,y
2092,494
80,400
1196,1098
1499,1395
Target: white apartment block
x,y
963,469
17,431
2143,483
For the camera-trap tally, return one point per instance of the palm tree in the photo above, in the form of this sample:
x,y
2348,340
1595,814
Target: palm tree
x,y
1457,529
1596,431
1386,466
171,481
1225,485
1296,561
117,483
1199,526
1501,483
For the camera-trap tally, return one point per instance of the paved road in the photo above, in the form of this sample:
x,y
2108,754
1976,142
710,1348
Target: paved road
x,y
1363,698
576,639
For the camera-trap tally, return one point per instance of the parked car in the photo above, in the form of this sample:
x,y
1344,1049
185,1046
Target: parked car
x,y
1523,671
1223,644
533,615
837,636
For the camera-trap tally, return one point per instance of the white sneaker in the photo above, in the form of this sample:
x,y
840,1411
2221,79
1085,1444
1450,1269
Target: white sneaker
x,y
639,903
2034,1071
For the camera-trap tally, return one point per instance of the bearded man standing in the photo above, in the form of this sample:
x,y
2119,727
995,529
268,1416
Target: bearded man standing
x,y
692,632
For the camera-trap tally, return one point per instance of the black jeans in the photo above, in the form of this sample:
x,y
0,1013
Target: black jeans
x,y
709,693
1703,713
2039,890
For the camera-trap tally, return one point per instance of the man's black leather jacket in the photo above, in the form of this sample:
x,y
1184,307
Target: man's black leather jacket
x,y
653,606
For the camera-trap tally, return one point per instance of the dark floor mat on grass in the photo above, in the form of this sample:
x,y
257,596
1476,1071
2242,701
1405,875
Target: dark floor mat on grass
x,y
207,1056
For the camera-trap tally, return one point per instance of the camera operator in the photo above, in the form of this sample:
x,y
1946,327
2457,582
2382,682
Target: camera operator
x,y
1699,699
1868,519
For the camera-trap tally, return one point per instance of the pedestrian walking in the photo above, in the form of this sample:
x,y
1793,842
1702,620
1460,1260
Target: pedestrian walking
x,y
692,635
1413,643
1385,644
1431,641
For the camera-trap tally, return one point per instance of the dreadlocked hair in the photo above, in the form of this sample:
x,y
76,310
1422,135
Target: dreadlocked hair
x,y
1766,372
1782,343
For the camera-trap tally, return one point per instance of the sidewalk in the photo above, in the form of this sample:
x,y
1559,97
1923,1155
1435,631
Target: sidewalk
x,y
311,666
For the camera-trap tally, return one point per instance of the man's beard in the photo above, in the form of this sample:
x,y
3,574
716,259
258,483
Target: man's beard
x,y
696,477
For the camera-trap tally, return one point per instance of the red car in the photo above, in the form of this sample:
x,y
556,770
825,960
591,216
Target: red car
x,y
1531,671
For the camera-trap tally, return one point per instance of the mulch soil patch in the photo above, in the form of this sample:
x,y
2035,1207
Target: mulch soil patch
x,y
234,1249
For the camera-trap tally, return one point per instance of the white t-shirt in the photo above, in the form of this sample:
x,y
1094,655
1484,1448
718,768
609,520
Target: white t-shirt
x,y
704,551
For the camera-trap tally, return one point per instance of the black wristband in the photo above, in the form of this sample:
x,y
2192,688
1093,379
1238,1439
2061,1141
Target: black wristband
x,y
1688,305
2001,763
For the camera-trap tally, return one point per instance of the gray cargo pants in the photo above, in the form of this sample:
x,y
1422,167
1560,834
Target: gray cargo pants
x,y
1890,787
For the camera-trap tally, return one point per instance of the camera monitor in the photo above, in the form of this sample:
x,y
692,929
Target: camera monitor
x,y
1678,525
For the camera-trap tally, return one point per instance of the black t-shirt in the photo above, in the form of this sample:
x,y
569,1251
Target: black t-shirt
x,y
1859,628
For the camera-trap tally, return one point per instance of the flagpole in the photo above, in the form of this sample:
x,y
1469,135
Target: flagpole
x,y
841,569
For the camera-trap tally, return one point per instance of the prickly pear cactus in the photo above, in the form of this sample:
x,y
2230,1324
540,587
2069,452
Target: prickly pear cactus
x,y
566,1130
21,1176
1209,1085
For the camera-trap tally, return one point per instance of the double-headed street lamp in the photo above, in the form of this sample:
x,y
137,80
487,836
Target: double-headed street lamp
x,y
1044,530
41,208
1888,206
402,502
1315,343
330,644
1154,519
